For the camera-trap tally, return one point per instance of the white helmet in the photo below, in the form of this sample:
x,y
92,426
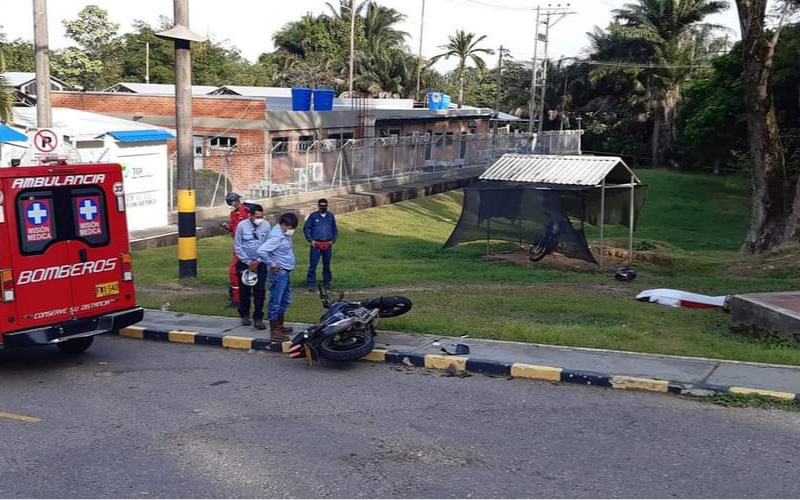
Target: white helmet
x,y
249,278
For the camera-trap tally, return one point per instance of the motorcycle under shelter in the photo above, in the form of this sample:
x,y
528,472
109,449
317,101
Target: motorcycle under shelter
x,y
523,197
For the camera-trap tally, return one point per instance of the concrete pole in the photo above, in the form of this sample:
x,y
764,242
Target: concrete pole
x,y
533,72
187,200
352,42
544,73
44,114
419,56
147,62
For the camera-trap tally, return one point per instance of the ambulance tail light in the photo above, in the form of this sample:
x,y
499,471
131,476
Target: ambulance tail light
x,y
127,267
7,285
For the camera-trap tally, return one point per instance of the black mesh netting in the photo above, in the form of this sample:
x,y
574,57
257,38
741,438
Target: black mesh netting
x,y
524,213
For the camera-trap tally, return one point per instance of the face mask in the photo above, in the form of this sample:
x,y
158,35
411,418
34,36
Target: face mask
x,y
258,222
290,232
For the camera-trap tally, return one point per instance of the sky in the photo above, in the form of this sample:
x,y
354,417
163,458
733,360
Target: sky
x,y
249,24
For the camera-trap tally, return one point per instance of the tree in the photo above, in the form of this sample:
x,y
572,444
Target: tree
x,y
713,107
7,96
775,206
464,46
92,63
670,34
18,55
316,49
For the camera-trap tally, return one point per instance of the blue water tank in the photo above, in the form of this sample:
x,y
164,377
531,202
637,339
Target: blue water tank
x,y
445,102
301,99
435,100
323,99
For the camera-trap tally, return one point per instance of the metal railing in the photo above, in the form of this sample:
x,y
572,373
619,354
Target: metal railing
x,y
287,168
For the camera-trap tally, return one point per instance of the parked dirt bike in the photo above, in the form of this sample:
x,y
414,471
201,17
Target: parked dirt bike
x,y
546,245
346,332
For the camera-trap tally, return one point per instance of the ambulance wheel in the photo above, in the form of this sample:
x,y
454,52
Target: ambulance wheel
x,y
76,346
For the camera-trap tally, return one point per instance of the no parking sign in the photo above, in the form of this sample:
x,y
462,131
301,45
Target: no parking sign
x,y
45,142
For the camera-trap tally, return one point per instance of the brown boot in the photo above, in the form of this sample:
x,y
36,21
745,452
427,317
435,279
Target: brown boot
x,y
275,332
285,329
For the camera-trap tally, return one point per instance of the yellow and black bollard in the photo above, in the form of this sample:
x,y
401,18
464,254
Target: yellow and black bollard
x,y
187,233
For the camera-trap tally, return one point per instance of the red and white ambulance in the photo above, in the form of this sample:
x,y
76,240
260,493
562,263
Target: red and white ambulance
x,y
65,264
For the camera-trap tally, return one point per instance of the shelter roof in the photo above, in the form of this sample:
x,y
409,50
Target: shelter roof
x,y
561,170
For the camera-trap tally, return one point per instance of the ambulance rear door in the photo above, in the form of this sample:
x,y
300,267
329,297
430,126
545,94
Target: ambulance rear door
x,y
101,246
42,293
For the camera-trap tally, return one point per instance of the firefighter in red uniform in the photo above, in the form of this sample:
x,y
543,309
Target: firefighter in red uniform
x,y
239,213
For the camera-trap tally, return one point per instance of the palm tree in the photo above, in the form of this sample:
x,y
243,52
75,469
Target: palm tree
x,y
342,11
464,46
379,27
671,35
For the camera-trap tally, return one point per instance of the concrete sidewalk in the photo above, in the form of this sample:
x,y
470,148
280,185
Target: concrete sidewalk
x,y
615,369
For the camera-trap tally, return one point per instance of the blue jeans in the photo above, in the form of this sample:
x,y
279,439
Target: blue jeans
x,y
315,255
280,294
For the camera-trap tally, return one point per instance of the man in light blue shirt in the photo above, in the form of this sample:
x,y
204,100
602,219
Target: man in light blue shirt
x,y
278,253
250,235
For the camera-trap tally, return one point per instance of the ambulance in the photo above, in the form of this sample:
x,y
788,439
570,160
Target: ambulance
x,y
65,263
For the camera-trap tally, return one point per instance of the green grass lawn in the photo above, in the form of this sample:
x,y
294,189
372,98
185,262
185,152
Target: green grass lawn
x,y
697,221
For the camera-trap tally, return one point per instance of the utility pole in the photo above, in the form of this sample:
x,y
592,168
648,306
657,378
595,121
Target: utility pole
x,y
147,62
44,113
499,79
534,70
541,83
352,42
419,57
187,200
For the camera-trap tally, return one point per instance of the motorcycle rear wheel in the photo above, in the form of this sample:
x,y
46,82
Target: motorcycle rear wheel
x,y
390,307
350,348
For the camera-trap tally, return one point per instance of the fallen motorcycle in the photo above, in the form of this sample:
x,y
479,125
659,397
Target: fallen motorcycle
x,y
346,332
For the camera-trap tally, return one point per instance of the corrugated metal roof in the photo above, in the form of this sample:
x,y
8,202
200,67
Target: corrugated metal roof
x,y
152,135
157,88
562,170
18,78
80,124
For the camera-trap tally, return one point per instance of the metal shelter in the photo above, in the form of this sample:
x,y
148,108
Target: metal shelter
x,y
545,172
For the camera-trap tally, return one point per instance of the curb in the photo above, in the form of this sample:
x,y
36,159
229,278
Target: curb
x,y
461,364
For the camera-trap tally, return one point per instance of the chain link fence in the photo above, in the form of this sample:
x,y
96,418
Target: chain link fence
x,y
288,168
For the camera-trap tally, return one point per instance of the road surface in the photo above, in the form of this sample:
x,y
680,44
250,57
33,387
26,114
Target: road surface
x,y
139,419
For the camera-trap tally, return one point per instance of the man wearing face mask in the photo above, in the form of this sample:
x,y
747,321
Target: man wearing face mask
x,y
250,235
320,231
278,253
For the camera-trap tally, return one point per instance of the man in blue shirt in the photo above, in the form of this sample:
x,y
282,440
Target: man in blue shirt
x,y
250,235
278,253
320,231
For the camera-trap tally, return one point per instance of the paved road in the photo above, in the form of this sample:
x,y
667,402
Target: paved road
x,y
140,419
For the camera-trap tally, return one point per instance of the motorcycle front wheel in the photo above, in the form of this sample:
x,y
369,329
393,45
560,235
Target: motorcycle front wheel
x,y
347,348
538,252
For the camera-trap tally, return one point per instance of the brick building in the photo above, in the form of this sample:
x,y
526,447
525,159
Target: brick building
x,y
251,134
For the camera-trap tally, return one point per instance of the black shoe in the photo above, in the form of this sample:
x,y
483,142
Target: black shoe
x,y
259,324
311,289
246,322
